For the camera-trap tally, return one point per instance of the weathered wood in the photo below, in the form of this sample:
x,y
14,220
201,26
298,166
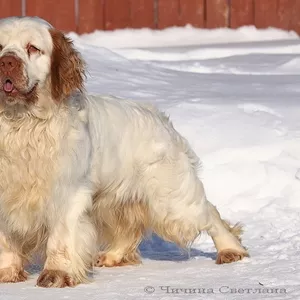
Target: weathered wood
x,y
192,12
10,8
241,13
117,14
91,15
217,13
142,14
168,13
61,14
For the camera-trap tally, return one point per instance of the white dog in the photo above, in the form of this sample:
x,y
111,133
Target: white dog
x,y
81,173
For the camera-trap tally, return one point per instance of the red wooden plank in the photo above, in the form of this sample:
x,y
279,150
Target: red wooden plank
x,y
142,13
168,13
10,8
278,13
61,14
294,18
265,13
242,13
288,12
285,12
217,13
91,15
117,14
192,12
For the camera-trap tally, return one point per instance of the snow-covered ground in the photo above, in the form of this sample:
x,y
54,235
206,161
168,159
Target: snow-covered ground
x,y
235,94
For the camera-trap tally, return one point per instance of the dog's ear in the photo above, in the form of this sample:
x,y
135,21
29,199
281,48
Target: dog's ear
x,y
67,67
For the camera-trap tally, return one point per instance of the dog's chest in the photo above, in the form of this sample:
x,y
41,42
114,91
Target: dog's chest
x,y
28,159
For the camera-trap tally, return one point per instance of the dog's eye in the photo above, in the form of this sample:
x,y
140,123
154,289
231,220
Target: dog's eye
x,y
32,49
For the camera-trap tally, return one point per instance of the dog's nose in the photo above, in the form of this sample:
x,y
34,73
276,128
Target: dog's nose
x,y
8,63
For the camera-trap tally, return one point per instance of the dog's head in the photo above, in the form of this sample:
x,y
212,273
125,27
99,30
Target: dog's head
x,y
36,59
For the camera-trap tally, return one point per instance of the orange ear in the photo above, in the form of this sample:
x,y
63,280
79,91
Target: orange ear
x,y
67,67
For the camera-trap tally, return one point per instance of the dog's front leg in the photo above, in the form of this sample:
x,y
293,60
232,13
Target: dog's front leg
x,y
11,263
71,243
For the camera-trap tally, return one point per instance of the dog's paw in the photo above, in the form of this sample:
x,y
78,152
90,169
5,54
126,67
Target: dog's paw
x,y
107,260
229,255
110,260
12,274
55,279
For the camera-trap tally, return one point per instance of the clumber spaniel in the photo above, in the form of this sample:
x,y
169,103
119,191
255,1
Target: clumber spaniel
x,y
80,174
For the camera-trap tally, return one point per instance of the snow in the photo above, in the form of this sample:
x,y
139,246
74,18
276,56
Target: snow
x,y
235,95
180,36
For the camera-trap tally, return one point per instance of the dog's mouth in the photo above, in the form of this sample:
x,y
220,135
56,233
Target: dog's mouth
x,y
12,91
9,87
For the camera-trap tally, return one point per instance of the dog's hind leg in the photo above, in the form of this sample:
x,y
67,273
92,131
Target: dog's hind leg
x,y
180,210
226,238
121,227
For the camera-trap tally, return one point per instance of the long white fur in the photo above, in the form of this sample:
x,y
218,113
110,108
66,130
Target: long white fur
x,y
54,158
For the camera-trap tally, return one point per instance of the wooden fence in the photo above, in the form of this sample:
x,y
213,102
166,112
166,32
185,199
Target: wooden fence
x,y
88,15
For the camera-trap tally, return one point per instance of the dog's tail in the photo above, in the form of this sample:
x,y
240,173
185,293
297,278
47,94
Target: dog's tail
x,y
237,229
